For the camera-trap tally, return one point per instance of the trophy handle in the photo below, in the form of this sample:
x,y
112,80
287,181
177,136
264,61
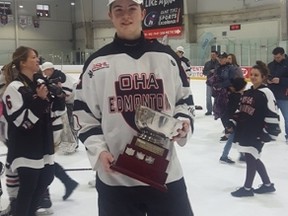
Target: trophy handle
x,y
155,122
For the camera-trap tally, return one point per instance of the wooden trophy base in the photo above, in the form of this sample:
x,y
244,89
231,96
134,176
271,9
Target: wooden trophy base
x,y
144,161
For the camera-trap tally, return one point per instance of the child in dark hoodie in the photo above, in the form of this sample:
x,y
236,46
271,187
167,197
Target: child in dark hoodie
x,y
234,94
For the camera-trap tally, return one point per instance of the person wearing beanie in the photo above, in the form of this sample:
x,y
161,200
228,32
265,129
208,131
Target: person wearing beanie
x,y
51,73
116,79
235,91
185,62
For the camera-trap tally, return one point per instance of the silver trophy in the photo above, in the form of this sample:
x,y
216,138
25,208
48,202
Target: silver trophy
x,y
155,126
145,158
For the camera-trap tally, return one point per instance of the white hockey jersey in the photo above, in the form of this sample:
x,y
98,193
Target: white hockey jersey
x,y
114,81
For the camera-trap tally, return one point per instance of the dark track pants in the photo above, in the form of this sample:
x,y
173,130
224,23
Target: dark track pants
x,y
143,200
33,183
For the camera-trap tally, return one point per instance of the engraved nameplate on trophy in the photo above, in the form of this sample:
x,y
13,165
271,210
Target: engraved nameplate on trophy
x,y
145,157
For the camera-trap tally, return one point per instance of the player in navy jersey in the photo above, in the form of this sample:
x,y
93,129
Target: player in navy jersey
x,y
256,123
29,110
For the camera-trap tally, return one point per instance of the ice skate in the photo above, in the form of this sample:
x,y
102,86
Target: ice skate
x,y
45,205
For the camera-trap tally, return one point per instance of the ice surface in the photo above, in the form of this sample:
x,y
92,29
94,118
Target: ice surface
x,y
209,182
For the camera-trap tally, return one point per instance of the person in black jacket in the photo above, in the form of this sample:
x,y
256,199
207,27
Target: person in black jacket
x,y
278,83
256,123
29,110
208,71
220,82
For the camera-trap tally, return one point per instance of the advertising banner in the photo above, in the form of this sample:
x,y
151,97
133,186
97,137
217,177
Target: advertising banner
x,y
197,72
163,17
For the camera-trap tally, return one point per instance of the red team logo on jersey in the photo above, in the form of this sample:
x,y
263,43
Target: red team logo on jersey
x,y
135,89
96,67
99,66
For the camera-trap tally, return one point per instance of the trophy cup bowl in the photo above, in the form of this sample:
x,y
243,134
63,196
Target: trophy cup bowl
x,y
145,157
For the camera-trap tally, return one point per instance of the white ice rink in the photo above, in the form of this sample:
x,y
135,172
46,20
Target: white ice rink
x,y
209,182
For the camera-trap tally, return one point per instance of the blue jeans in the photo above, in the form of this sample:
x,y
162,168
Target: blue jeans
x,y
228,145
283,106
209,98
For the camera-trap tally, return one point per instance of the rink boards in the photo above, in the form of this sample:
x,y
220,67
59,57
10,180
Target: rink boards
x,y
196,70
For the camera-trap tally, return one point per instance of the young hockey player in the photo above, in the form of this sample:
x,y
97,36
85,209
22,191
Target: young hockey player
x,y
145,72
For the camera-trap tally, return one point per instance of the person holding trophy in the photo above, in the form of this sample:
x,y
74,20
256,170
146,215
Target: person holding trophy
x,y
132,105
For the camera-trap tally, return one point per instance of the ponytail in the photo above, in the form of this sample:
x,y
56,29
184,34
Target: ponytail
x,y
10,73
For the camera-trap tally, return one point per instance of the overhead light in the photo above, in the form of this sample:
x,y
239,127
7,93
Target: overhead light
x,y
72,3
20,6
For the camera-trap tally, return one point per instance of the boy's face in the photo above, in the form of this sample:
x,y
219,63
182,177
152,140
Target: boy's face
x,y
127,17
180,54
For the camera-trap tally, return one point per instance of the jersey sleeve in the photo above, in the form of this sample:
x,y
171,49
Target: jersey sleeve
x,y
271,127
23,107
184,108
68,87
88,117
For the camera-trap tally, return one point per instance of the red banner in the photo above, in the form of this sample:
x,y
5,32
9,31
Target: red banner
x,y
157,33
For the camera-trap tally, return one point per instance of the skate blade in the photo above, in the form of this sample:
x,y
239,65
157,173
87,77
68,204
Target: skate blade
x,y
44,211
